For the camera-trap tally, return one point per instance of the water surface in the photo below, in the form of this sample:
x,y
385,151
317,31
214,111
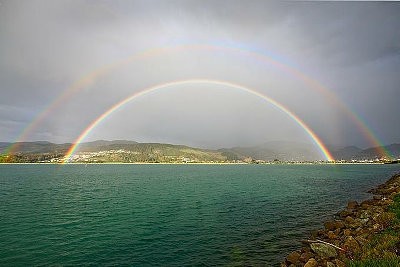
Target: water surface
x,y
170,215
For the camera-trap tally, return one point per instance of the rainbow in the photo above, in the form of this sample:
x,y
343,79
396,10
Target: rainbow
x,y
324,150
91,78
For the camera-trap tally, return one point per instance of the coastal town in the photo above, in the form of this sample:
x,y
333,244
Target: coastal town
x,y
126,156
124,151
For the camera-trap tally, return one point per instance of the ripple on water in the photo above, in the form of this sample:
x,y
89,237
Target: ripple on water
x,y
162,215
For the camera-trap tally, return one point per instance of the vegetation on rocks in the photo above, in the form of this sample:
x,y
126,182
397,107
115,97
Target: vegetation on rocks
x,y
384,248
365,234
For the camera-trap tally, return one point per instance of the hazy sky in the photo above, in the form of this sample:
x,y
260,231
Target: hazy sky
x,y
353,49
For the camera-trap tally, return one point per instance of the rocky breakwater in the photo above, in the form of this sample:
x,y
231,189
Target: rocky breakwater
x,y
362,232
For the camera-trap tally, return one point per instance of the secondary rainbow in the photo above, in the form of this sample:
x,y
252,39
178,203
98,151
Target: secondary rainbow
x,y
91,78
322,147
79,85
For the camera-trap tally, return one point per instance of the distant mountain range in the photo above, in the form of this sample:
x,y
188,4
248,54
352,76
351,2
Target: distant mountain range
x,y
353,152
284,151
275,150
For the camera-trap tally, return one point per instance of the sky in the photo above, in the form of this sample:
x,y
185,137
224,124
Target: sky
x,y
108,50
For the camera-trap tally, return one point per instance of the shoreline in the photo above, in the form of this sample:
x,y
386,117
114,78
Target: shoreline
x,y
363,233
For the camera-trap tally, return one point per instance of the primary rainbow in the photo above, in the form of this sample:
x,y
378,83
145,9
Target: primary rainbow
x,y
276,104
91,78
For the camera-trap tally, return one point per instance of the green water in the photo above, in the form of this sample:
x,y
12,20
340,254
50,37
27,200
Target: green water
x,y
170,215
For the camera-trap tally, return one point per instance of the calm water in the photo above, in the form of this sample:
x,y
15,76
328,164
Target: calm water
x,y
169,215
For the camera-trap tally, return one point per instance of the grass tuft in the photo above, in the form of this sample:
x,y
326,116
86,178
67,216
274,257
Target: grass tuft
x,y
387,262
395,207
384,248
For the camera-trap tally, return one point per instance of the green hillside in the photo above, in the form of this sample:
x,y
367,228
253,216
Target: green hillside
x,y
130,151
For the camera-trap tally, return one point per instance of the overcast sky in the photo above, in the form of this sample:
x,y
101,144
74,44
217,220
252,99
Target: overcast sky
x,y
353,49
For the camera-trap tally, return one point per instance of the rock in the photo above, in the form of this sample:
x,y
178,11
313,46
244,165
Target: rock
x,y
370,202
356,224
311,263
335,242
347,232
293,257
365,214
306,256
331,235
323,250
333,225
349,220
330,225
351,244
365,231
377,226
330,264
337,232
339,225
345,213
283,264
314,234
352,205
365,206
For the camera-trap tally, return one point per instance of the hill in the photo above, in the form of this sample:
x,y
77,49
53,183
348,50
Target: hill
x,y
34,147
355,153
281,150
131,151
345,153
147,152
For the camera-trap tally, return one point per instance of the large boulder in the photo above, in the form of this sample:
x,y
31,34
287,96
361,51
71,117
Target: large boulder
x,y
330,225
323,250
345,213
306,256
333,225
351,244
293,257
311,263
352,205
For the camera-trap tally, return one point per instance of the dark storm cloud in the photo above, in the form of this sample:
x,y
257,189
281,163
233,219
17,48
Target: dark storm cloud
x,y
351,47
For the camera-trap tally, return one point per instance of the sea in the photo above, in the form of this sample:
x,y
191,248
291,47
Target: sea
x,y
170,215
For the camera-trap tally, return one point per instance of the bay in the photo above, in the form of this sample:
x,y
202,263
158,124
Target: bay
x,y
170,215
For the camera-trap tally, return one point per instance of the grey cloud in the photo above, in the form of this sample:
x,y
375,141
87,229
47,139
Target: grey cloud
x,y
351,47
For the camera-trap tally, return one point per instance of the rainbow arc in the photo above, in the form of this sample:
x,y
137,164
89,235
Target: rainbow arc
x,y
313,136
93,76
